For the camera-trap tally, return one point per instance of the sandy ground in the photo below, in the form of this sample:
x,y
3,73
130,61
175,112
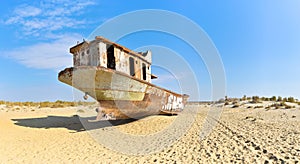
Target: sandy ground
x,y
240,136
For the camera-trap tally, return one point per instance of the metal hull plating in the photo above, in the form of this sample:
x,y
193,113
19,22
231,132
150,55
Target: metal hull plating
x,y
121,94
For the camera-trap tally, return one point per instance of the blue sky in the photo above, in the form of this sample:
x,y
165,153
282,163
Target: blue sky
x,y
258,42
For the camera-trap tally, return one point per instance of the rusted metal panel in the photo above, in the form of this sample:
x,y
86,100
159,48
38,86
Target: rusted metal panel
x,y
146,57
76,60
116,90
106,85
93,79
77,47
121,62
124,63
93,54
103,57
137,69
125,49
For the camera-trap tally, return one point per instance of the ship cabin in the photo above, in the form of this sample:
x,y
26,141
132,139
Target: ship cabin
x,y
104,53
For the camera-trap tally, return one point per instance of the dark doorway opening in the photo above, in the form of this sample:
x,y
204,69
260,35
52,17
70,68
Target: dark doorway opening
x,y
111,63
144,71
131,66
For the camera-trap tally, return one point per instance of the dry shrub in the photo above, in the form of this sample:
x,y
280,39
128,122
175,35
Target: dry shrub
x,y
2,102
289,107
234,102
291,99
255,99
280,105
235,106
80,111
273,98
279,98
44,104
259,106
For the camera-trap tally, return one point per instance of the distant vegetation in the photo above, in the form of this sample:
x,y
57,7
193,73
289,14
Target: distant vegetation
x,y
257,99
279,102
56,104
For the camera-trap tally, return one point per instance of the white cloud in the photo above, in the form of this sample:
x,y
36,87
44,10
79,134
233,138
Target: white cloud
x,y
27,11
69,8
47,20
53,55
49,16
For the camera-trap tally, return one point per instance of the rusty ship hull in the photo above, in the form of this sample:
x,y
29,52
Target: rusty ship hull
x,y
121,94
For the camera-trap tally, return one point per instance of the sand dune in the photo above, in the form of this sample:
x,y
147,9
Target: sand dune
x,y
240,135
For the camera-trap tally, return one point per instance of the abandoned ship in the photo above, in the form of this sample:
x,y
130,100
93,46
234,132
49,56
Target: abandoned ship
x,y
120,80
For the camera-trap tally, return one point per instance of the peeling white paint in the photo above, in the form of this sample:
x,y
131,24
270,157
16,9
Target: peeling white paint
x,y
94,53
173,103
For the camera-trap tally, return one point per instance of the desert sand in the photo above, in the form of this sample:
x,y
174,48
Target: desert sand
x,y
241,135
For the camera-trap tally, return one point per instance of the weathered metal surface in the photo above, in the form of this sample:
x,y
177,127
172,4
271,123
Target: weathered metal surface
x,y
119,79
94,53
122,94
144,57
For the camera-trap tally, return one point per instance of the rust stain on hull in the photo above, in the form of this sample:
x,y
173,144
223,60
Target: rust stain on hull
x,y
119,79
123,95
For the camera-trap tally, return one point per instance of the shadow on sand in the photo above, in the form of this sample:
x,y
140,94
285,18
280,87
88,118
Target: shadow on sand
x,y
71,123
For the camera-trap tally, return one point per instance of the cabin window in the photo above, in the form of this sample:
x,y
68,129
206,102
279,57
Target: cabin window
x,y
131,66
144,71
111,63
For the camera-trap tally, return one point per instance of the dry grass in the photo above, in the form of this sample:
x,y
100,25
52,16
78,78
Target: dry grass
x,y
56,104
257,99
281,105
259,106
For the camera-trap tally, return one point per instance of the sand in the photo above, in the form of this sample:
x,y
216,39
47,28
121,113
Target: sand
x,y
46,135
